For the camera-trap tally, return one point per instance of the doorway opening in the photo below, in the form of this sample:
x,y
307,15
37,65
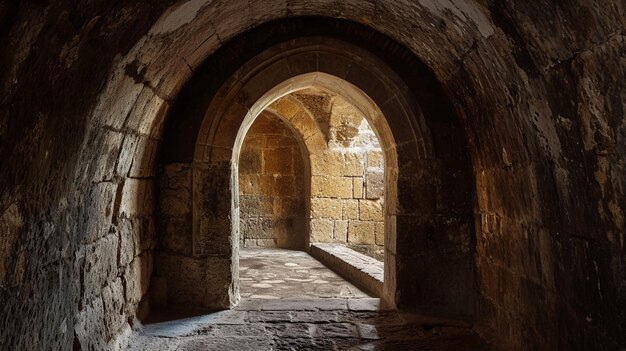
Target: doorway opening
x,y
311,177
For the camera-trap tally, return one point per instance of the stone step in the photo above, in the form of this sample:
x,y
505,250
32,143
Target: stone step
x,y
363,271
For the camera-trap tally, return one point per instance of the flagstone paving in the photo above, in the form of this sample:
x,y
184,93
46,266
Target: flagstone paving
x,y
277,274
292,302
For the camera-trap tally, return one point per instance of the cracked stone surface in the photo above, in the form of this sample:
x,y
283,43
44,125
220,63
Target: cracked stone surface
x,y
293,302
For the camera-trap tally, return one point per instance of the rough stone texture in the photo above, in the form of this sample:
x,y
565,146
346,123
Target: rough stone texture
x,y
538,89
272,186
346,171
332,314
272,274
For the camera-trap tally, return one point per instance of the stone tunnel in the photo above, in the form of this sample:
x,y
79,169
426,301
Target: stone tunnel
x,y
156,155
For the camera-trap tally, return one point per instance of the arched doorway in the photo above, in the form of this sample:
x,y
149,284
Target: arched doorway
x,y
428,236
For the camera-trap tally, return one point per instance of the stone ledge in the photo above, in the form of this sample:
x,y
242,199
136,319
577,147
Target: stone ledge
x,y
361,270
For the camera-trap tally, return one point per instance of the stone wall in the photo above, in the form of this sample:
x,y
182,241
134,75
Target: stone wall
x,y
537,89
272,191
347,184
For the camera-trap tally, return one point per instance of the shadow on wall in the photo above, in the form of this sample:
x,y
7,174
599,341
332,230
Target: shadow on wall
x,y
272,190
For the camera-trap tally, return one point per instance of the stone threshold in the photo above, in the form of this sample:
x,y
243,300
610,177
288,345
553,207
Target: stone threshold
x,y
363,271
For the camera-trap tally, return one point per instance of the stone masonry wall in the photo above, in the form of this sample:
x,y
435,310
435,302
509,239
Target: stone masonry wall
x,y
539,88
271,186
347,184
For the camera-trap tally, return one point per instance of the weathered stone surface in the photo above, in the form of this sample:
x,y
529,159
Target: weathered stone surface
x,y
271,186
334,187
360,232
326,208
514,126
322,230
370,210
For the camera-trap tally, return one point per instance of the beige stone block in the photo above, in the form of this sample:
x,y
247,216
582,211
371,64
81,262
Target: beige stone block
x,y
357,187
370,210
322,230
341,231
326,208
380,233
350,209
375,186
327,164
286,107
375,159
338,187
255,206
352,165
360,232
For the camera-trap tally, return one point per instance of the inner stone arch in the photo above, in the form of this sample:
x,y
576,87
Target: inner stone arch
x,y
428,221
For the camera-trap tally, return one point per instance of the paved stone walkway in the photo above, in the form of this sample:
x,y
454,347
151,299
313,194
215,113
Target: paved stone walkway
x,y
276,274
327,314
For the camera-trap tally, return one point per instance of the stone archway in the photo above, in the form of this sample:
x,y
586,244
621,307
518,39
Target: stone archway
x,y
413,210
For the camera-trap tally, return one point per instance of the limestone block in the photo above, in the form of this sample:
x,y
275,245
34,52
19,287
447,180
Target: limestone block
x,y
357,187
144,158
327,164
113,301
341,231
137,278
322,230
258,228
334,163
380,233
326,208
350,209
352,165
375,159
286,107
100,265
255,206
370,210
101,203
89,326
125,159
360,232
126,242
375,185
137,197
338,187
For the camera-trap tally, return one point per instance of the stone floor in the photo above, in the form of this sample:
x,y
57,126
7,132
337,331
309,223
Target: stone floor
x,y
294,303
276,274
